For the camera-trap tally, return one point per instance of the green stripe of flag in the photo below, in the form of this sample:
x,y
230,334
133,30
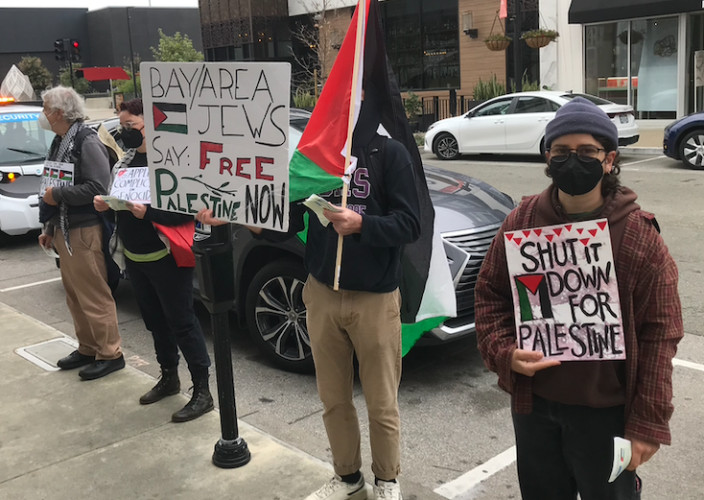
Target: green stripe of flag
x,y
306,177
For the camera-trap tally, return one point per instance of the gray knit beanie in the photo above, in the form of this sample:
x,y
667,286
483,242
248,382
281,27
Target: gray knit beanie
x,y
580,116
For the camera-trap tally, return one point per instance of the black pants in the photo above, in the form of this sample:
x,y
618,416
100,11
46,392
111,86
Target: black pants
x,y
164,294
566,449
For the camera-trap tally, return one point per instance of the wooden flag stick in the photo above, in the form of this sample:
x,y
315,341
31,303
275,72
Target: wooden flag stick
x,y
361,17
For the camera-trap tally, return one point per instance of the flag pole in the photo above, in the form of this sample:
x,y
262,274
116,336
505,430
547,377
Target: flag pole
x,y
361,16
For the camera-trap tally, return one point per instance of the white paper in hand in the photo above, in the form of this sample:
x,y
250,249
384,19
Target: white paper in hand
x,y
317,205
50,252
622,457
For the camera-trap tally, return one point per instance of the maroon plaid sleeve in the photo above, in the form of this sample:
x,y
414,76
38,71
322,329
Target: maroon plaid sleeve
x,y
657,316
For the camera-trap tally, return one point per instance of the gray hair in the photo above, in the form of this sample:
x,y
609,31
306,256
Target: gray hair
x,y
67,100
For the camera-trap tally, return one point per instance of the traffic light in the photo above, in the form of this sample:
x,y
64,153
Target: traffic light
x,y
59,49
75,50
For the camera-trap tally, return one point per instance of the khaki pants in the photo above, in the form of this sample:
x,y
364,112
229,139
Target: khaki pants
x,y
88,295
340,324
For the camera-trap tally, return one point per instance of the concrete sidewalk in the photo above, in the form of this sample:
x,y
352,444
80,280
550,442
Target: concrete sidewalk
x,y
63,438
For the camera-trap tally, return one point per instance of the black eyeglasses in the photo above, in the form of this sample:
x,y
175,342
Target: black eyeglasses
x,y
561,154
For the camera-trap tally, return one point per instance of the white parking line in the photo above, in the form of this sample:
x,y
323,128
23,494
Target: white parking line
x,y
471,479
687,364
28,285
628,164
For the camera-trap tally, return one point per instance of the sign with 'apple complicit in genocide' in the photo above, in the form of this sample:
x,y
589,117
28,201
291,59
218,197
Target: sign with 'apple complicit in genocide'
x,y
565,292
217,137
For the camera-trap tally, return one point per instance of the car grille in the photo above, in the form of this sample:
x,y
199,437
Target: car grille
x,y
475,243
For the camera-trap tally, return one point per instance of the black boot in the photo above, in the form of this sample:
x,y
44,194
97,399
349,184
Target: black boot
x,y
201,402
168,385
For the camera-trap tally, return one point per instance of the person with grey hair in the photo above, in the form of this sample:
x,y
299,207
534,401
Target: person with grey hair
x,y
79,169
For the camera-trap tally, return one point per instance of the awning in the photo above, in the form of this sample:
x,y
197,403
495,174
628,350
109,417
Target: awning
x,y
595,11
95,74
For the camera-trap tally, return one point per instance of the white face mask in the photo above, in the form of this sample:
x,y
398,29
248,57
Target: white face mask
x,y
43,121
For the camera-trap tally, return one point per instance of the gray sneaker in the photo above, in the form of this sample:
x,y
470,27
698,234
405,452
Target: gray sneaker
x,y
387,490
336,489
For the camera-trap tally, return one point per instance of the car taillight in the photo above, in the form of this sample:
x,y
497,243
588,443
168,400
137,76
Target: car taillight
x,y
614,115
8,177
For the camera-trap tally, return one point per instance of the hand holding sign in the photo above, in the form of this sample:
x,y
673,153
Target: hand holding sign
x,y
529,362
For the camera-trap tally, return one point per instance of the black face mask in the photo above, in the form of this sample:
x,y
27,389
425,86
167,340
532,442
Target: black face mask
x,y
132,138
576,176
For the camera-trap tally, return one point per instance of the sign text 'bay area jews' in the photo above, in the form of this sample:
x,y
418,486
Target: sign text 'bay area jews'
x,y
217,137
565,292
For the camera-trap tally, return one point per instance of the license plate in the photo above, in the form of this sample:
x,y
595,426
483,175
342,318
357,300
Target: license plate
x,y
623,118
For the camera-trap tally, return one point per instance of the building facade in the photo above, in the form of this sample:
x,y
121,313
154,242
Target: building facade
x,y
647,53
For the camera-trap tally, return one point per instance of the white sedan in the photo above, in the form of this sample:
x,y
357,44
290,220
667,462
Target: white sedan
x,y
515,124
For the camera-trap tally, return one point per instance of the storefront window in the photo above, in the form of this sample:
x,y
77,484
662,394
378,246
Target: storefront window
x,y
422,42
633,62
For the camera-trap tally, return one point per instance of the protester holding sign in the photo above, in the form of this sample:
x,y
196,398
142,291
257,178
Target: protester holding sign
x,y
77,169
582,320
159,260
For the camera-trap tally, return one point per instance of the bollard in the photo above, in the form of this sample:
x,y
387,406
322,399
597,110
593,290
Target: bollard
x,y
215,272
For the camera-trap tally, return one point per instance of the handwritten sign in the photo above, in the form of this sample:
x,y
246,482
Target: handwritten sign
x,y
217,137
565,292
56,174
131,184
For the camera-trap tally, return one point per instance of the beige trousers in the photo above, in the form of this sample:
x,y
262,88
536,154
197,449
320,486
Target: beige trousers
x,y
340,324
88,295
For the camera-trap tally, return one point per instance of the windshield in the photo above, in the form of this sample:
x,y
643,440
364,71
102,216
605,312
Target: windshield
x,y
21,139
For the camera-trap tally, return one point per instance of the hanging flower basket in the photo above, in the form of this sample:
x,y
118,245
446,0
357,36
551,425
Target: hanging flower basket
x,y
497,42
536,39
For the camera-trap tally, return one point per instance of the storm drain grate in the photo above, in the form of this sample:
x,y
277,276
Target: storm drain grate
x,y
46,354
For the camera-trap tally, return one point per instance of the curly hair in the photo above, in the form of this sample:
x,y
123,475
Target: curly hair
x,y
68,101
611,181
133,106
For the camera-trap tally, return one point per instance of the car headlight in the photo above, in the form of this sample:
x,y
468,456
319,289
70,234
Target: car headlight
x,y
8,177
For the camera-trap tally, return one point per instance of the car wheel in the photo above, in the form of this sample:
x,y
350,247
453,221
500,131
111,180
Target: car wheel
x,y
446,147
276,315
692,149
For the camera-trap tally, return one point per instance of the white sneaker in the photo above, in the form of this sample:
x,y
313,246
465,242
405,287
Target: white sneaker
x,y
387,490
336,489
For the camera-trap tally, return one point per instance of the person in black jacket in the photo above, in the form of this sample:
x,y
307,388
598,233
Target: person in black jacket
x,y
363,317
162,280
78,170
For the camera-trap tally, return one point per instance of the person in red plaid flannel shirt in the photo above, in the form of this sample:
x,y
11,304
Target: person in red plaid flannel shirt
x,y
566,415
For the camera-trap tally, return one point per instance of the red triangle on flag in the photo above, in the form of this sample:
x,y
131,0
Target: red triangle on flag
x,y
159,116
549,236
601,225
509,236
531,281
584,241
592,232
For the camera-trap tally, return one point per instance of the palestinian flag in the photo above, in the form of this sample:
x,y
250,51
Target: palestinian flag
x,y
318,165
170,117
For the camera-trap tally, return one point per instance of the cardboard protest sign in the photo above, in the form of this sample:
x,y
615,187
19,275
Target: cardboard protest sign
x,y
56,174
565,292
217,137
131,184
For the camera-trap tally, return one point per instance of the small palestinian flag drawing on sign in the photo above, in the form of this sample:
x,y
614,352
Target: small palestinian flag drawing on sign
x,y
170,117
65,176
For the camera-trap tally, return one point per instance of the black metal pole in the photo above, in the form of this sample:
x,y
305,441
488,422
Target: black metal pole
x,y
215,271
517,52
129,39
